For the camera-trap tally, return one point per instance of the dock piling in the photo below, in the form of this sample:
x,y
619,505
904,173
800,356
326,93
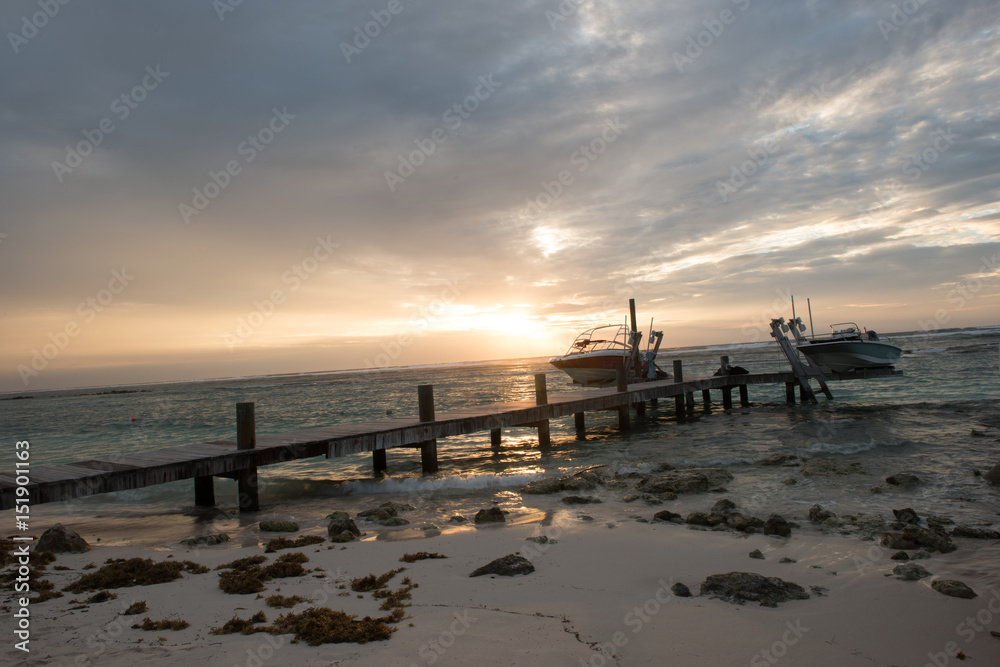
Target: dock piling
x,y
542,398
428,448
622,385
679,408
246,438
204,491
380,462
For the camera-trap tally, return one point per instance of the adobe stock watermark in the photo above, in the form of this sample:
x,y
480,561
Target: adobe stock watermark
x,y
293,278
430,652
714,27
453,118
777,650
223,7
963,292
581,158
914,167
248,149
394,348
759,326
565,9
968,629
31,25
88,310
899,17
636,620
122,107
363,35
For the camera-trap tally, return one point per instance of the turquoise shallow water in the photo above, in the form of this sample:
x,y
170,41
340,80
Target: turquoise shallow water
x,y
940,421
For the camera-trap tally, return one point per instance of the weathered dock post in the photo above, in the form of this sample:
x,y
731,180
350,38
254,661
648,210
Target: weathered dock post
x,y
621,384
580,423
679,398
246,439
542,398
204,491
380,462
744,396
428,448
790,393
727,391
706,400
496,437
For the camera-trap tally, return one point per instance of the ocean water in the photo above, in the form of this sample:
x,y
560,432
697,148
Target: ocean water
x,y
941,422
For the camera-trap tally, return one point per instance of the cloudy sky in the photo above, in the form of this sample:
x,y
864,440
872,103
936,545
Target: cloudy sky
x,y
199,189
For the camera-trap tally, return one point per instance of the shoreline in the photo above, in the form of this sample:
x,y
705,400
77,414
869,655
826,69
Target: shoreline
x,y
600,594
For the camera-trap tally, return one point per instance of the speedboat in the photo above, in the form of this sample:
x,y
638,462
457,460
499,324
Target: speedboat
x,y
848,348
596,355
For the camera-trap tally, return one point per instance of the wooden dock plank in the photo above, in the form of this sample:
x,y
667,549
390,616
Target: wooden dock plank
x,y
221,457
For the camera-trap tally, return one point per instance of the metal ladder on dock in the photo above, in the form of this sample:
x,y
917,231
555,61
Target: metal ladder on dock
x,y
778,329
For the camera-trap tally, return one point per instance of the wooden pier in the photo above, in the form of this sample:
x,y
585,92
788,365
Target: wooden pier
x,y
240,458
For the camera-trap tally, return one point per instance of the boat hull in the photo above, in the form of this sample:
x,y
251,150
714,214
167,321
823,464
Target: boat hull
x,y
845,356
591,369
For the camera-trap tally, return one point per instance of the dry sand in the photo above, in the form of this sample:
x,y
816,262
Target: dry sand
x,y
599,596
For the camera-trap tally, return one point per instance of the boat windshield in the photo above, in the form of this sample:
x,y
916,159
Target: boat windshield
x,y
608,337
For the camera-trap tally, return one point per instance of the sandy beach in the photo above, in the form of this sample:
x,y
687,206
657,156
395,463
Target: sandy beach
x,y
601,594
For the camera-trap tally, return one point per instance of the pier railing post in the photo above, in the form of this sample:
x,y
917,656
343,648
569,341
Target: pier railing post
x,y
542,398
621,384
428,448
246,438
727,391
679,407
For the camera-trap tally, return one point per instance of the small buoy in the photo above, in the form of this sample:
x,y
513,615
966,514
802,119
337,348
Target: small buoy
x,y
134,418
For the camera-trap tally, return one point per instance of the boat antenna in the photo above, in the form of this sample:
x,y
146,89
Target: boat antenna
x,y
793,307
812,331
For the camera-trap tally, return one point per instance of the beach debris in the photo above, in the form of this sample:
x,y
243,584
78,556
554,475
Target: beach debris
x,y
906,515
910,571
581,500
786,559
993,475
786,460
342,529
903,479
819,591
387,514
538,539
668,516
423,555
741,587
896,540
975,533
680,590
819,514
206,540
136,608
279,543
976,433
246,575
900,555
278,526
776,525
953,588
756,554
490,515
688,480
789,481
826,468
102,596
507,566
122,573
60,539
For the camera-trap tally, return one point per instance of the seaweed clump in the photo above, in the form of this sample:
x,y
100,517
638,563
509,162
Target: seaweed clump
x,y
122,573
370,582
283,602
322,625
242,626
151,625
420,555
279,543
246,575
